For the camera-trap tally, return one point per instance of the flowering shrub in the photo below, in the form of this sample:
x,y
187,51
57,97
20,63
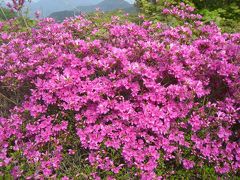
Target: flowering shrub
x,y
133,96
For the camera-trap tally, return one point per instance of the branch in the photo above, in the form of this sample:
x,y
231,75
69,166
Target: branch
x,y
8,99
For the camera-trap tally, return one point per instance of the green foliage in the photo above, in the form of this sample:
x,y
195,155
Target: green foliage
x,y
15,20
6,14
76,166
227,16
153,12
103,17
226,13
18,25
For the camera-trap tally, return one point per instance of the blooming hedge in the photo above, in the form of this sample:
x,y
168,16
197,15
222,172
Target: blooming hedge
x,y
131,96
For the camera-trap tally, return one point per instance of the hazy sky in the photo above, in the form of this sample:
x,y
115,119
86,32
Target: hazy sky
x,y
130,1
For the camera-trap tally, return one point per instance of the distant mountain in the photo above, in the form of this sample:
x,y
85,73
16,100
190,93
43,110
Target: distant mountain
x,y
46,7
132,9
106,5
61,15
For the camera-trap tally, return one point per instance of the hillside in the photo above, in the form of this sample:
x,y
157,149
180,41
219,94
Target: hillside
x,y
49,6
106,5
61,15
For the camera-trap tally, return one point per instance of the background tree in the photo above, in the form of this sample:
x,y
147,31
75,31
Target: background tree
x,y
226,13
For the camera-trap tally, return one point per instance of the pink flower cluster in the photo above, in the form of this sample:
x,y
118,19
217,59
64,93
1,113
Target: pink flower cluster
x,y
16,5
184,11
144,91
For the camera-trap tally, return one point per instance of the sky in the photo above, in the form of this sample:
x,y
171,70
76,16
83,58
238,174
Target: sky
x,y
130,1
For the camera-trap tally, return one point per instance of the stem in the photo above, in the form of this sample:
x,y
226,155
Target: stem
x,y
8,98
24,19
25,22
3,13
